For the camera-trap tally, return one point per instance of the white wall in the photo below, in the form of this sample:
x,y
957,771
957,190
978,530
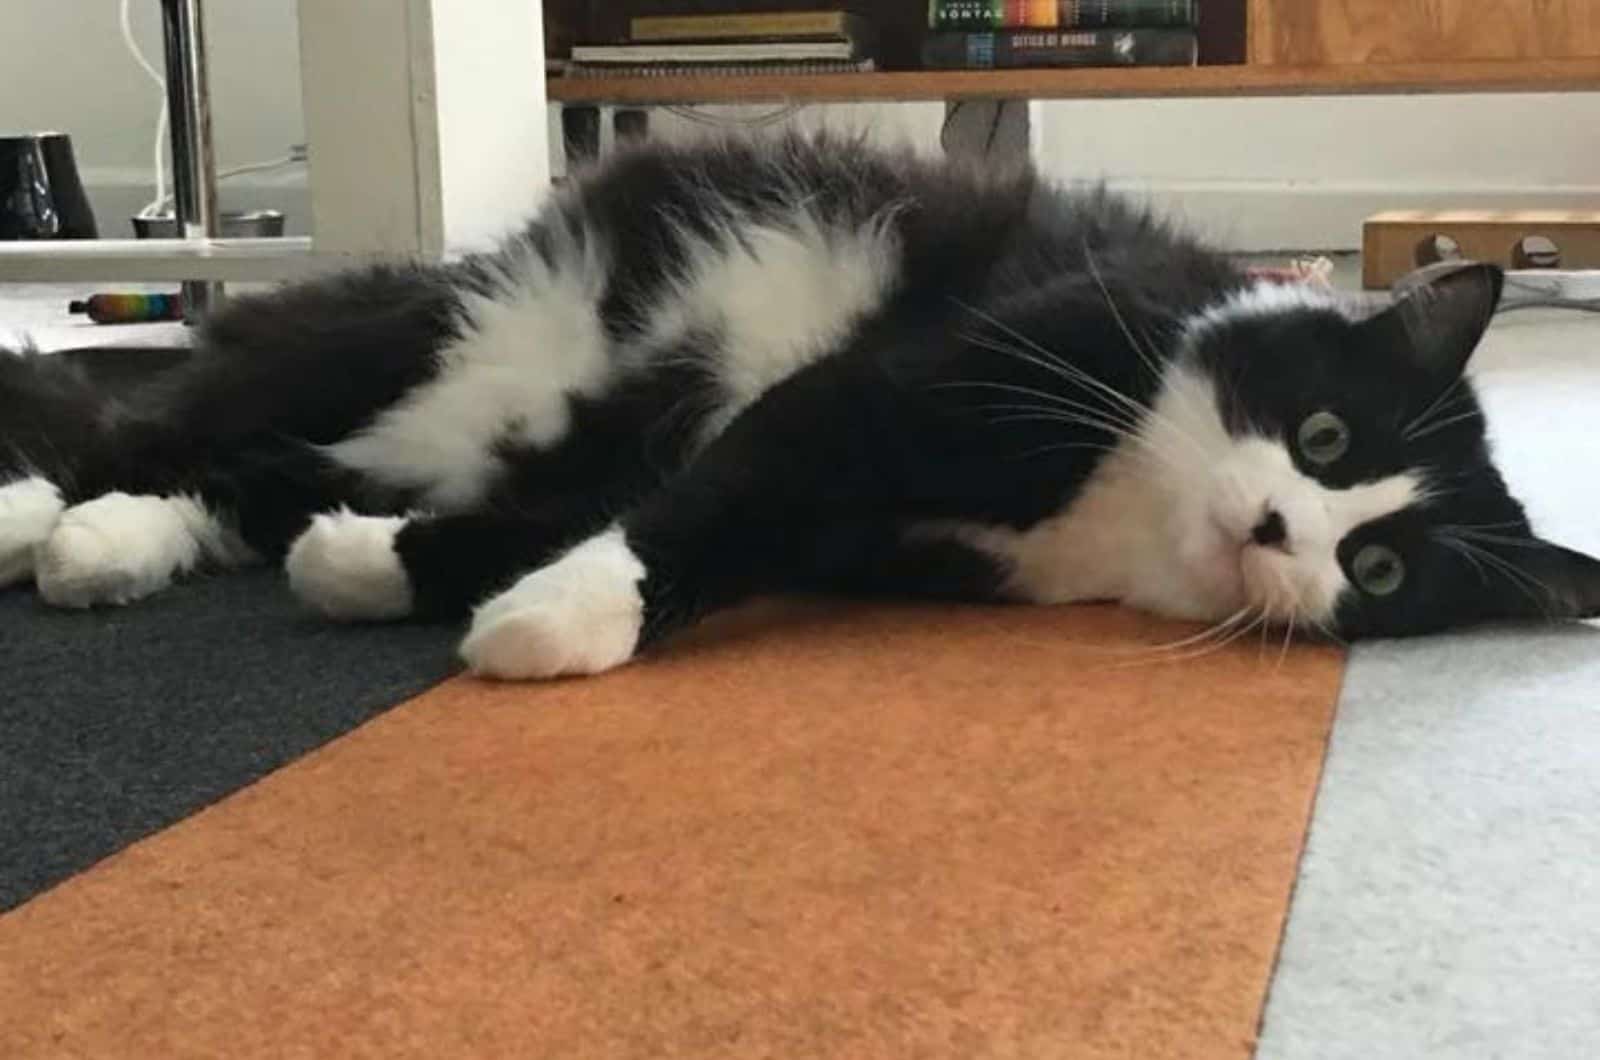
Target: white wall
x,y
1303,173
1259,174
63,66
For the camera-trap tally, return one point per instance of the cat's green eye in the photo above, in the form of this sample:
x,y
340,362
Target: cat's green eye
x,y
1379,570
1324,438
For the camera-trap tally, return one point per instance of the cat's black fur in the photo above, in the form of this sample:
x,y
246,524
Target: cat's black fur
x,y
818,483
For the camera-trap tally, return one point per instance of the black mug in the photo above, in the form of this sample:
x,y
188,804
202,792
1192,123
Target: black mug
x,y
41,196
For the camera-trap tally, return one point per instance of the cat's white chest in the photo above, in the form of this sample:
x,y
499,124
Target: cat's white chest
x,y
1093,549
1118,539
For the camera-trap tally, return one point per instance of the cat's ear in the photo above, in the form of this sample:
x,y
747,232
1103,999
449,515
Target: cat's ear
x,y
1551,582
1439,317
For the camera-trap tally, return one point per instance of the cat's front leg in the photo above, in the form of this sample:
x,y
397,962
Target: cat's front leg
x,y
375,568
631,586
542,607
816,487
788,498
582,614
740,519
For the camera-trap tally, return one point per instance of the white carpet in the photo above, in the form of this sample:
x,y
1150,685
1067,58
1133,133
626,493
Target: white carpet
x,y
38,313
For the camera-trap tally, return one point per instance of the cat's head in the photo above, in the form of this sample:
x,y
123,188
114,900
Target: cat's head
x,y
1345,481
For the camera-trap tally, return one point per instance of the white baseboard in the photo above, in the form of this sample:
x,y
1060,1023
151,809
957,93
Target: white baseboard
x,y
1250,216
1245,216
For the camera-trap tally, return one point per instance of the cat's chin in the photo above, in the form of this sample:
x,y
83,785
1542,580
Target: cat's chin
x,y
1207,586
1224,587
1214,571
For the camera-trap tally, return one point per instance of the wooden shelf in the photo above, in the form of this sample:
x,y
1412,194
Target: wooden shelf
x,y
1522,75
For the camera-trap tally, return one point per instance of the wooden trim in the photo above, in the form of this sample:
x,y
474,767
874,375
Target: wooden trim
x,y
1332,32
1534,75
1389,240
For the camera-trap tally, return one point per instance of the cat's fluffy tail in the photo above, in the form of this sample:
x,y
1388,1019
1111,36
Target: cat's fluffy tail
x,y
60,410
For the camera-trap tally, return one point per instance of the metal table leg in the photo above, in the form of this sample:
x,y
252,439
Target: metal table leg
x,y
194,170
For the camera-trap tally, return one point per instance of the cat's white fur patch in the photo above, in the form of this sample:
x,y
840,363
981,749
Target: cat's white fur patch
x,y
1267,298
1164,523
119,547
345,566
581,614
29,510
522,350
780,294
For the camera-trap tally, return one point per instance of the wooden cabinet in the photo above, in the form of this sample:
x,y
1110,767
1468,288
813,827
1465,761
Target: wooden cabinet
x,y
1339,32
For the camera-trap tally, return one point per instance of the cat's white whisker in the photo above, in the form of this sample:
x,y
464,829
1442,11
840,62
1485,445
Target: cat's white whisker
x,y
1142,446
1535,589
1073,413
1064,367
1476,534
1446,398
1147,358
1143,412
1138,449
1288,636
1211,632
1258,622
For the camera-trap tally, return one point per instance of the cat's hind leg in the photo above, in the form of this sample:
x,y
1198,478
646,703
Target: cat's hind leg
x,y
233,511
29,510
121,547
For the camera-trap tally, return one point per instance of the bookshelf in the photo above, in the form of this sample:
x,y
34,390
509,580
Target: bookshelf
x,y
1248,48
1247,79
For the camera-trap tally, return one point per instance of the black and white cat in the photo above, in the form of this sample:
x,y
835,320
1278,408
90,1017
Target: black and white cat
x,y
805,365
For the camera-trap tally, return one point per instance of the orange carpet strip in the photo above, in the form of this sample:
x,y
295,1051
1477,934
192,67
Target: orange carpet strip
x,y
881,832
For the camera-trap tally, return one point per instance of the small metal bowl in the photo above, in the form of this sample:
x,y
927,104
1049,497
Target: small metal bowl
x,y
243,224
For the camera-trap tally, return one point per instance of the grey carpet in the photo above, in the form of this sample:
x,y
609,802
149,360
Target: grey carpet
x,y
117,723
1448,906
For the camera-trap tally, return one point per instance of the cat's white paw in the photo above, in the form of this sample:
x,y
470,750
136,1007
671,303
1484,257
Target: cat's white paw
x,y
345,566
115,549
581,614
29,510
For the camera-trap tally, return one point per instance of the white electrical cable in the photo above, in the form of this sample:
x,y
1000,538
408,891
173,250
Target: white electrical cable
x,y
260,167
157,207
125,18
1551,289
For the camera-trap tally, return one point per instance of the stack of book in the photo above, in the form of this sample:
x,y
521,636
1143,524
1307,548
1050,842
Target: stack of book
x,y
788,42
1010,34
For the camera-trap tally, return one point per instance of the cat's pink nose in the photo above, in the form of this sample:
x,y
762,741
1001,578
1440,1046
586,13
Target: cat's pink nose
x,y
1271,532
